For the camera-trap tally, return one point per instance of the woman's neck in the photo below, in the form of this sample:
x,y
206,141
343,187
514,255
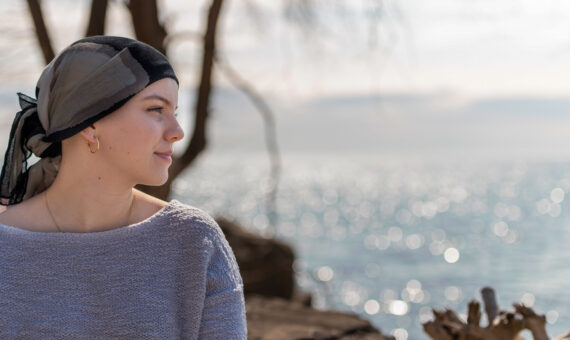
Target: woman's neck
x,y
88,205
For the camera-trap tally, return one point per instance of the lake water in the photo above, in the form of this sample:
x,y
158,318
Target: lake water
x,y
391,240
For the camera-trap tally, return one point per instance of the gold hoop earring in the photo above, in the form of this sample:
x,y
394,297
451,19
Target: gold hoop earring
x,y
97,149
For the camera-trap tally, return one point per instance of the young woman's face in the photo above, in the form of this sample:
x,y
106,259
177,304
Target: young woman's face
x,y
137,139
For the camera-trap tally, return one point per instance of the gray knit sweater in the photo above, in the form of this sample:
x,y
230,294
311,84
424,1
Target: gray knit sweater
x,y
171,276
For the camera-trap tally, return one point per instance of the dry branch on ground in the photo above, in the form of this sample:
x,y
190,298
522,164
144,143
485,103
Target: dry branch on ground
x,y
503,325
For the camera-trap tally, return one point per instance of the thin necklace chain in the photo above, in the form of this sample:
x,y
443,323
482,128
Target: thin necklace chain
x,y
50,213
57,226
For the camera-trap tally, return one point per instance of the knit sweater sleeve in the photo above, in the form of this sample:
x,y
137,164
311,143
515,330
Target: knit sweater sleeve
x,y
223,314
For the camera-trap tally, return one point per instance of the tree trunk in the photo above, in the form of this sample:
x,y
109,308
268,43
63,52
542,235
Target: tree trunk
x,y
96,24
148,28
41,30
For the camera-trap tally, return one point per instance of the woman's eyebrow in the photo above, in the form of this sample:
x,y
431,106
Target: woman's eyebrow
x,y
159,97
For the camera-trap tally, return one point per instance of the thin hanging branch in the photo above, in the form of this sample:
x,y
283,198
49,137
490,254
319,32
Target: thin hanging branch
x,y
270,135
41,30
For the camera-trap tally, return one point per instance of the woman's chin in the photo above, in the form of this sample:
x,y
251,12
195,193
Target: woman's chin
x,y
162,181
156,181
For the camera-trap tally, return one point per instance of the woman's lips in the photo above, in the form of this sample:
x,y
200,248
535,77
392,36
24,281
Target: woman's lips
x,y
165,156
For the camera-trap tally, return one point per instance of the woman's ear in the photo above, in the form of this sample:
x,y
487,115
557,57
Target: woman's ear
x,y
89,133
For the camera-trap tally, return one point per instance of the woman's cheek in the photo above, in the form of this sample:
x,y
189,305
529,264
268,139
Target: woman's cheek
x,y
140,133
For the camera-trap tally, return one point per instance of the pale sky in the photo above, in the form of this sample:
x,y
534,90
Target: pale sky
x,y
482,76
480,48
476,48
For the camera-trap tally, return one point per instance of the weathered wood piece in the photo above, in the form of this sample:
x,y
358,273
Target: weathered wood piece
x,y
503,325
490,302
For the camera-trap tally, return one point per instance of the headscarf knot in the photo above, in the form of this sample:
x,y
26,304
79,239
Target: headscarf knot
x,y
26,138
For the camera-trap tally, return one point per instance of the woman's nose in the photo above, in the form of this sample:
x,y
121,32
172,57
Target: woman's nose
x,y
175,132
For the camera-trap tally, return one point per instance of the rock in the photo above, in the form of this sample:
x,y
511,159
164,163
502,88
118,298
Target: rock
x,y
266,265
279,319
275,310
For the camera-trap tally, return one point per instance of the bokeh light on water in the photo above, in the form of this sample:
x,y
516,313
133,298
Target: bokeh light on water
x,y
391,241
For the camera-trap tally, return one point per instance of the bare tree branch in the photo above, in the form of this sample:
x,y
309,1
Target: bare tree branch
x,y
41,30
97,17
270,135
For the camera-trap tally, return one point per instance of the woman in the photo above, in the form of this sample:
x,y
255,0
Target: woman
x,y
82,253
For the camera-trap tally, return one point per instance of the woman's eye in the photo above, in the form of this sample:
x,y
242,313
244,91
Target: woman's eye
x,y
161,110
156,109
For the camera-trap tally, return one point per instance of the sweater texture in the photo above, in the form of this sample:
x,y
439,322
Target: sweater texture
x,y
171,276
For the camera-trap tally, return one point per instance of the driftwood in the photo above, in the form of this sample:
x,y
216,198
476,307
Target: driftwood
x,y
503,325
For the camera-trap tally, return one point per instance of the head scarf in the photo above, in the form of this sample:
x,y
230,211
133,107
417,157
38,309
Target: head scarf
x,y
88,80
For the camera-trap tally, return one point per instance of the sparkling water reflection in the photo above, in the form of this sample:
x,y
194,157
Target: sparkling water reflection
x,y
391,241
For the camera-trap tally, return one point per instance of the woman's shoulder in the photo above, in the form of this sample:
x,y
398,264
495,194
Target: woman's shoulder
x,y
192,219
193,222
27,215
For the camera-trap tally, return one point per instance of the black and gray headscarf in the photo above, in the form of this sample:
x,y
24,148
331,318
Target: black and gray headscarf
x,y
85,82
